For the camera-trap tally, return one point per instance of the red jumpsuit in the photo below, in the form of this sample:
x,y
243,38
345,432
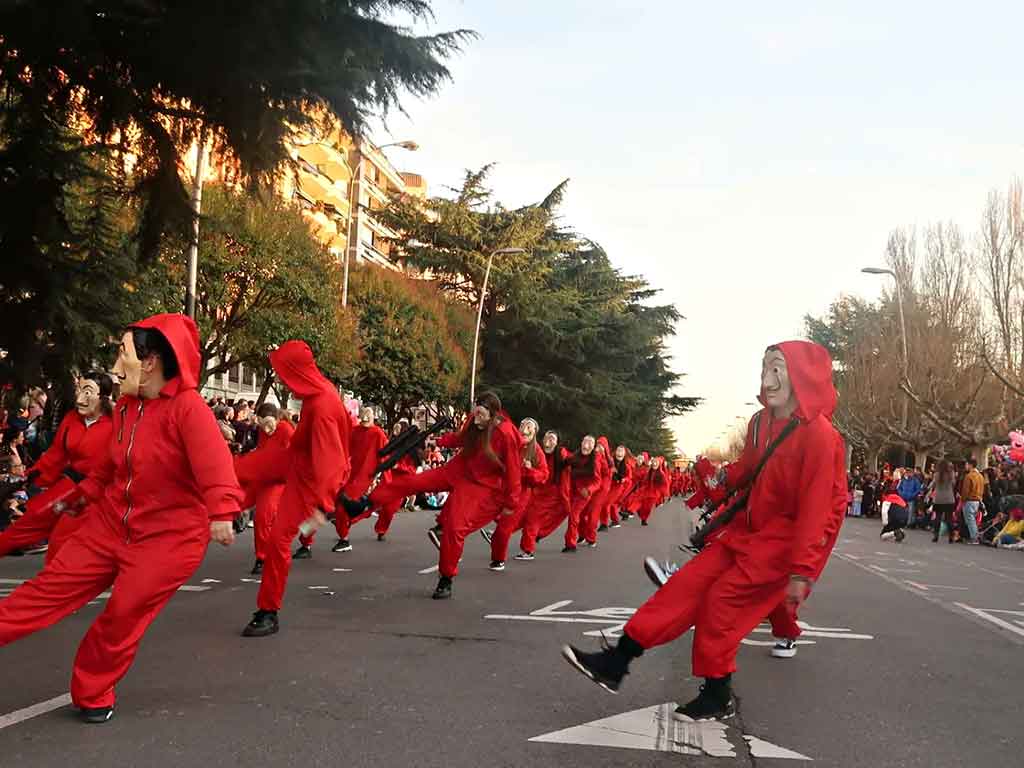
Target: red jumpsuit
x,y
262,474
634,497
728,588
622,482
549,503
75,447
363,448
652,492
318,467
584,482
166,476
783,619
590,518
482,488
532,478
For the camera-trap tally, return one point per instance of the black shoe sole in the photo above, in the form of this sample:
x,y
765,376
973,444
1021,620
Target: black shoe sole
x,y
96,718
728,715
441,595
570,656
247,632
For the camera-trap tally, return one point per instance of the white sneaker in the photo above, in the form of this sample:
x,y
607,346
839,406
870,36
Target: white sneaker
x,y
784,649
524,556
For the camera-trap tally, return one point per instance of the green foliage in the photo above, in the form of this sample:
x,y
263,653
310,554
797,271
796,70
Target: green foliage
x,y
152,74
69,265
567,338
413,342
263,279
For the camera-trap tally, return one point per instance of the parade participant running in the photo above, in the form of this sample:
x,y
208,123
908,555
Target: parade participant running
x,y
262,474
367,440
590,518
486,478
766,553
584,482
622,482
318,467
80,445
534,474
653,491
549,502
165,488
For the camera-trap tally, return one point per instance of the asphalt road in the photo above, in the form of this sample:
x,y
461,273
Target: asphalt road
x,y
913,659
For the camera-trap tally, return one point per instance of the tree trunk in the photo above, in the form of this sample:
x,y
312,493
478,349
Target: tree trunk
x,y
872,458
849,456
920,459
268,382
980,454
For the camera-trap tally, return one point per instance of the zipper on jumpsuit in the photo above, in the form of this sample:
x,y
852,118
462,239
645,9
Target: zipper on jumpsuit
x,y
128,465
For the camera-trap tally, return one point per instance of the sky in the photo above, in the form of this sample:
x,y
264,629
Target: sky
x,y
746,158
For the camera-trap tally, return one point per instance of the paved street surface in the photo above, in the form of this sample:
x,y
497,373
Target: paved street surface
x,y
912,659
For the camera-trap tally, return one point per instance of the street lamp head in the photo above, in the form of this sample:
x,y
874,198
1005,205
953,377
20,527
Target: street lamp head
x,y
877,271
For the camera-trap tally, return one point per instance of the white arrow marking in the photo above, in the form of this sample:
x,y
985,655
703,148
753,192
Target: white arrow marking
x,y
762,748
211,581
20,715
994,619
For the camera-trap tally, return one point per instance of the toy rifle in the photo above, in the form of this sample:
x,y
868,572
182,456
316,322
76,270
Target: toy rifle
x,y
407,442
739,497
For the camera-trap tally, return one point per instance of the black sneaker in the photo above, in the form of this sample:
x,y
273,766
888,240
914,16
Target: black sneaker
x,y
96,715
380,537
591,544
714,702
443,590
434,535
616,525
257,568
784,649
525,556
568,550
302,553
580,540
342,546
607,667
900,535
602,527
643,522
355,507
488,535
497,565
263,623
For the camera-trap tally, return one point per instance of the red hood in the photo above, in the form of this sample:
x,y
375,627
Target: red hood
x,y
603,441
810,372
294,364
183,336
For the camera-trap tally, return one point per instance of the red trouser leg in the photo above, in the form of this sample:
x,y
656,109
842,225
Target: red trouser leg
x,y
469,508
783,622
31,528
592,516
67,528
572,532
674,608
544,514
507,525
266,513
733,606
396,489
645,509
385,515
84,569
149,572
290,514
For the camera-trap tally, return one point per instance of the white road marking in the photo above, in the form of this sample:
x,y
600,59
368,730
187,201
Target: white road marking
x,y
21,715
927,587
193,588
880,570
211,581
431,569
252,581
987,615
320,586
342,570
12,581
656,729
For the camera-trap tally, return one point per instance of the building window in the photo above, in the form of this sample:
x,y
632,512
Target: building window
x,y
235,374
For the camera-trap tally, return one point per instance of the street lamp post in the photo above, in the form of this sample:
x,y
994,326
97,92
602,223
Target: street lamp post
x,y
197,205
479,318
355,192
903,329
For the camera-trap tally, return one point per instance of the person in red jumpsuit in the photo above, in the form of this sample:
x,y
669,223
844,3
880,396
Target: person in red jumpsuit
x,y
534,475
652,493
79,446
590,519
622,481
768,553
549,501
262,474
164,489
783,620
486,477
367,440
634,497
318,467
584,481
